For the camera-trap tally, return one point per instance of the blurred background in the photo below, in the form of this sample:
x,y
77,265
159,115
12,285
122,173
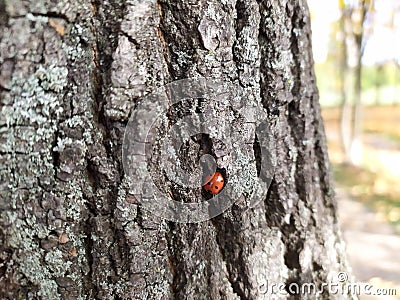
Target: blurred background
x,y
356,46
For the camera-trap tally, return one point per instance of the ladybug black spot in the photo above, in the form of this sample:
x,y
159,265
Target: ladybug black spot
x,y
216,188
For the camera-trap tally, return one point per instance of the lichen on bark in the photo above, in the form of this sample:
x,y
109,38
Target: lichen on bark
x,y
72,72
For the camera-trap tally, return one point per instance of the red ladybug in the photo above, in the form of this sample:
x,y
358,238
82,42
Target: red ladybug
x,y
214,183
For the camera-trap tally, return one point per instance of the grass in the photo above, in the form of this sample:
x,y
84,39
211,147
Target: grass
x,y
369,183
364,186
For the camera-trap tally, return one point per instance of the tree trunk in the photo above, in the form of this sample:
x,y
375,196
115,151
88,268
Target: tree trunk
x,y
356,138
71,74
345,106
379,81
351,116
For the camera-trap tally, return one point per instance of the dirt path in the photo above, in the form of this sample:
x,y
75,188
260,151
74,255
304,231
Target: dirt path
x,y
372,246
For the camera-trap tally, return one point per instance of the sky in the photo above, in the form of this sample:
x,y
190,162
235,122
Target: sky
x,y
382,43
323,14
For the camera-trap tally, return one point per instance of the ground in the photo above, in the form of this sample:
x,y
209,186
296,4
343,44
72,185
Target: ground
x,y
368,197
372,245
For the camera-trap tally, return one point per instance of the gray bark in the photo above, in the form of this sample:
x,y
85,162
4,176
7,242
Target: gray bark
x,y
71,73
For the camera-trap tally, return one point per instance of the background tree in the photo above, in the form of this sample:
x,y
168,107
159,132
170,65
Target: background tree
x,y
72,72
352,20
343,76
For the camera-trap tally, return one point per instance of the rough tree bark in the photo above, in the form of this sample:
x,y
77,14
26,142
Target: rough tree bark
x,y
71,72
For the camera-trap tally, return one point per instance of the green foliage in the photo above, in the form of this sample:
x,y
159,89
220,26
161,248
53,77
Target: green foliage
x,y
380,84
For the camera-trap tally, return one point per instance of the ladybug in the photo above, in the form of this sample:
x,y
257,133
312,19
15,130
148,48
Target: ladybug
x,y
214,183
